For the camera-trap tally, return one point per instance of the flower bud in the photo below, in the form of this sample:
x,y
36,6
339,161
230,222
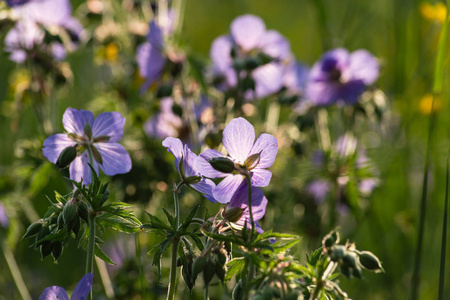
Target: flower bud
x,y
69,212
252,161
57,250
370,261
222,164
330,239
337,252
252,63
232,214
82,211
192,179
220,272
350,259
33,229
208,272
66,157
199,264
46,249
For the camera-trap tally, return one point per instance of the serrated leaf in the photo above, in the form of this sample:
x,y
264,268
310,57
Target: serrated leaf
x,y
235,267
223,238
171,219
283,247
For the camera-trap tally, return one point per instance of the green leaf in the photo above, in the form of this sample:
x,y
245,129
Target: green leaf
x,y
189,218
235,267
171,219
100,254
223,238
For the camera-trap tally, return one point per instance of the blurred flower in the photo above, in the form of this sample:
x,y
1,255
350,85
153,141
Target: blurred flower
x,y
240,200
17,2
248,155
250,52
340,77
149,55
427,102
437,12
319,190
166,123
101,136
4,221
185,164
29,35
80,292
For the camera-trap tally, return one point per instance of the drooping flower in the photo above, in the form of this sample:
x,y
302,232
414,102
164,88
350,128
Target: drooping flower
x,y
166,123
149,55
250,51
101,136
185,164
240,201
28,34
80,292
245,153
340,77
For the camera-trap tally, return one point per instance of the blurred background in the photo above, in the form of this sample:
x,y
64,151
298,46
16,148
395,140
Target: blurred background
x,y
102,75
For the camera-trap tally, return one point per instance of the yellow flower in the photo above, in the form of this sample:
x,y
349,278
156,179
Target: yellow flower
x,y
426,102
437,12
111,52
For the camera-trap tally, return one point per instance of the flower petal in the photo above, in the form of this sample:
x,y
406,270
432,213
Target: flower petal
x,y
268,79
221,53
109,124
74,120
275,45
224,191
267,146
261,177
151,63
203,166
54,293
205,186
247,31
79,168
364,66
176,147
116,159
83,288
55,144
238,139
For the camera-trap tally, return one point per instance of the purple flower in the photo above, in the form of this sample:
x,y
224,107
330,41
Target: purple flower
x,y
239,141
267,51
28,35
100,135
4,221
80,292
341,77
240,200
185,164
319,189
149,55
12,3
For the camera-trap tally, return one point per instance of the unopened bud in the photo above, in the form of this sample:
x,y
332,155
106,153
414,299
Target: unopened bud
x,y
33,229
350,259
330,239
208,272
69,212
199,264
337,252
370,261
222,164
252,161
232,214
66,157
192,179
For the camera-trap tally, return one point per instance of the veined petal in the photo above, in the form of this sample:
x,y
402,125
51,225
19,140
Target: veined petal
x,y
267,146
221,53
79,168
74,120
224,191
151,63
275,45
261,177
203,166
83,288
247,31
54,293
268,79
176,147
238,138
205,186
116,159
109,124
55,144
189,162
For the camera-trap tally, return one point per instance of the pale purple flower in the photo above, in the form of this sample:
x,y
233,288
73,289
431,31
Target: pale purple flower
x,y
185,164
12,3
107,130
239,141
80,292
149,55
319,189
4,221
28,35
249,39
259,203
341,77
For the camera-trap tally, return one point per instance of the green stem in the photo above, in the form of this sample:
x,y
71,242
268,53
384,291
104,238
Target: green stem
x,y
141,274
15,271
104,276
173,269
91,246
206,292
444,239
176,204
250,210
321,281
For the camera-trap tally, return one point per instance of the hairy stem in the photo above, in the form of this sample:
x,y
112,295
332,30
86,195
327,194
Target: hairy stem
x,y
91,246
15,271
173,269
